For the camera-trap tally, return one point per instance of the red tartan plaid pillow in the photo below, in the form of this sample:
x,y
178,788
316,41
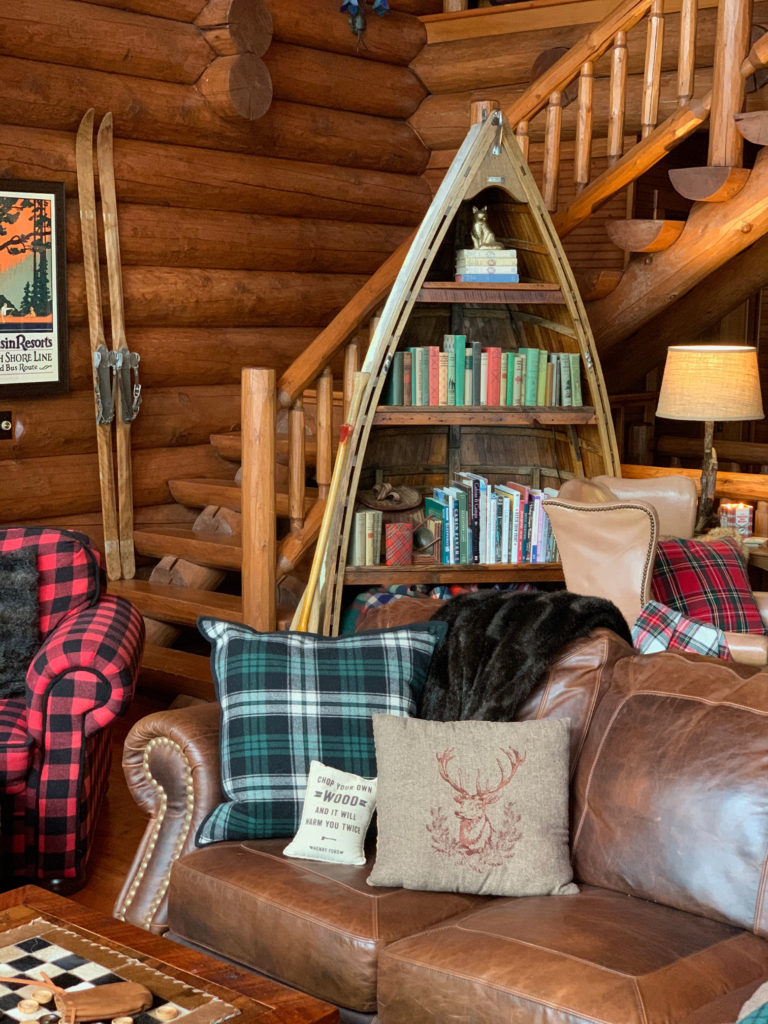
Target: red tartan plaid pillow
x,y
659,628
707,582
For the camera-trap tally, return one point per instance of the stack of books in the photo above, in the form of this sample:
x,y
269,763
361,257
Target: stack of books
x,y
484,265
365,545
470,374
491,523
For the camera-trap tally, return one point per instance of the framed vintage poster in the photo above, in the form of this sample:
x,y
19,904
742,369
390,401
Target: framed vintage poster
x,y
33,292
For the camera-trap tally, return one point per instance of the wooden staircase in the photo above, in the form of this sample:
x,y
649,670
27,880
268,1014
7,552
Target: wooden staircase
x,y
264,521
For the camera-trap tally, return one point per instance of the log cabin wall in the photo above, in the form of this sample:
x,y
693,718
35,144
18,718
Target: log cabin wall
x,y
240,238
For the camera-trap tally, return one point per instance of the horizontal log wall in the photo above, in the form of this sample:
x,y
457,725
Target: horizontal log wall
x,y
240,239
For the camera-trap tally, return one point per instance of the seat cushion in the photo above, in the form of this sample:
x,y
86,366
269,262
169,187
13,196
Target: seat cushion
x,y
15,745
599,956
317,926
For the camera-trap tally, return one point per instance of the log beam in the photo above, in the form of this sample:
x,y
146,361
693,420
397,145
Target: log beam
x,y
704,306
202,179
236,26
188,297
85,35
164,236
292,129
237,86
644,235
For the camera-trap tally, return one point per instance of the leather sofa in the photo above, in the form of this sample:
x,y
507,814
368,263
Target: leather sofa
x,y
669,834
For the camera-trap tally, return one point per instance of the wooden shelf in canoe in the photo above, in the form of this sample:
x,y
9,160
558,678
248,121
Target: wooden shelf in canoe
x,y
505,415
480,292
522,572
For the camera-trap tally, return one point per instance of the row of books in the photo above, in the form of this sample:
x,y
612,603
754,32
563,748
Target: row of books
x,y
487,265
469,374
365,543
480,522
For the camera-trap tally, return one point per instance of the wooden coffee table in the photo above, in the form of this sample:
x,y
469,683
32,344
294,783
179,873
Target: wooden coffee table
x,y
249,997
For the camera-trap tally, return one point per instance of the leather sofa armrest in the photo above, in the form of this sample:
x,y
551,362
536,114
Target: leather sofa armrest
x,y
172,767
761,599
748,648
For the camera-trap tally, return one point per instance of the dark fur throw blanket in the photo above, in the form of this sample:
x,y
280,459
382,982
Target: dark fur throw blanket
x,y
500,643
19,615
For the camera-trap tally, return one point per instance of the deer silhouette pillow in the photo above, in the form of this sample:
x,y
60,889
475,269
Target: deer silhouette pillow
x,y
477,807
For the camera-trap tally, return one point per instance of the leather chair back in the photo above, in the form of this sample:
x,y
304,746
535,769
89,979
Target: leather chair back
x,y
607,549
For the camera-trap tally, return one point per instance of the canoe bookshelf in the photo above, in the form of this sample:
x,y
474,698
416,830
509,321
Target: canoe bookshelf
x,y
425,446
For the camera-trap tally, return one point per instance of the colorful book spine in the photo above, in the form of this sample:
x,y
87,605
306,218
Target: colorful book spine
x,y
489,277
415,376
424,391
541,383
493,390
460,352
484,377
518,378
566,395
442,379
407,378
477,349
433,375
531,375
575,361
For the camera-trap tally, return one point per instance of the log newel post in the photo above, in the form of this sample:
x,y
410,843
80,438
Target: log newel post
x,y
732,44
618,97
259,407
351,366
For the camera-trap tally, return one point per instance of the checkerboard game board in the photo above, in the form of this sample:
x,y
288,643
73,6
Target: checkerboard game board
x,y
73,963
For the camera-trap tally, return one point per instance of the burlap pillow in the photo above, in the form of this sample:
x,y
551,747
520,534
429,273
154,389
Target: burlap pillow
x,y
338,807
471,806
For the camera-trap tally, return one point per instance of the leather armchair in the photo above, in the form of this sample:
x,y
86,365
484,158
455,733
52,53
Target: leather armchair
x,y
607,531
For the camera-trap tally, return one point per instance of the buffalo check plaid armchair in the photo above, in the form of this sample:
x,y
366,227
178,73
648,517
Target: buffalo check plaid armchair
x,y
54,740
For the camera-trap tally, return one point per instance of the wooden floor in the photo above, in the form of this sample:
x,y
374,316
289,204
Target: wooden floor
x,y
121,823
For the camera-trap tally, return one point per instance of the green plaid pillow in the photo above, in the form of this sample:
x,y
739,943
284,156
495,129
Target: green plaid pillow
x,y
290,698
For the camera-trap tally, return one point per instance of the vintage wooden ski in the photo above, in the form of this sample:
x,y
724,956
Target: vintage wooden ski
x,y
101,356
128,391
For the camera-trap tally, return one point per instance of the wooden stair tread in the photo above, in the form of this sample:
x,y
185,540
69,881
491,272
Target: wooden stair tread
x,y
206,548
230,446
202,491
181,605
708,184
636,235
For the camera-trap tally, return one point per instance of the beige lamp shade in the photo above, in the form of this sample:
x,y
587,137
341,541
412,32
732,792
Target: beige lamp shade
x,y
710,382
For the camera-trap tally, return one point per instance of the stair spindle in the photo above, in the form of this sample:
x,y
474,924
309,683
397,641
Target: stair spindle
x,y
297,471
351,366
686,62
617,97
523,138
324,416
552,150
259,409
583,158
652,78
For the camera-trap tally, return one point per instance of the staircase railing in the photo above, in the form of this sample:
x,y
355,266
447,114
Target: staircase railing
x,y
264,560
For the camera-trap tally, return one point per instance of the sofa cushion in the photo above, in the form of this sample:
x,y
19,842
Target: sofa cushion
x,y
472,806
600,956
707,581
316,926
670,796
660,628
288,698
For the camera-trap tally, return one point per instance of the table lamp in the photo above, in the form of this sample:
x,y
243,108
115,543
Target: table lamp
x,y
710,383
